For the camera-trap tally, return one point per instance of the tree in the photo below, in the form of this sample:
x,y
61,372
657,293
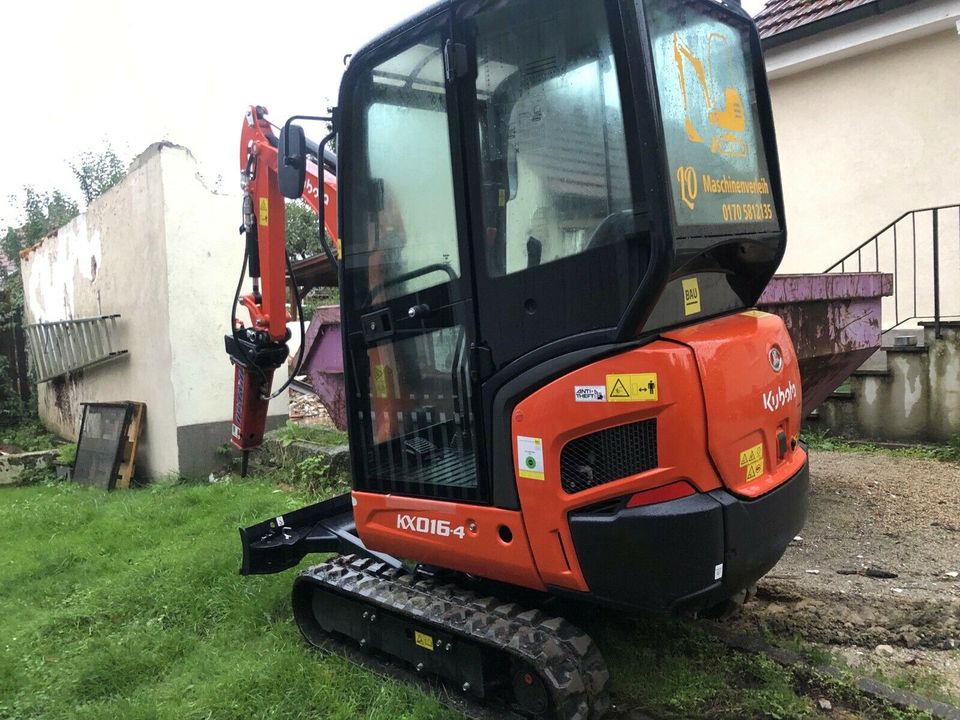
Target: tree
x,y
303,230
45,212
98,172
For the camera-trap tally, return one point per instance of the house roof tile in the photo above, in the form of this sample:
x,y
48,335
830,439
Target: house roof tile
x,y
779,16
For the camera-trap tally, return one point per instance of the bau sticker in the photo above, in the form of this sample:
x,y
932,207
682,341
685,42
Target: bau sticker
x,y
691,296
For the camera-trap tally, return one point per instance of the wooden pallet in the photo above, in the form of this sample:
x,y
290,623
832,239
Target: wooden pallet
x,y
134,428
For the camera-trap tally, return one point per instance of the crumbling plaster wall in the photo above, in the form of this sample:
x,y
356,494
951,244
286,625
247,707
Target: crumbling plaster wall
x,y
162,250
111,259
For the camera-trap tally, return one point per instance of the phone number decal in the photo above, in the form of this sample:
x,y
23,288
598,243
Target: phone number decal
x,y
747,212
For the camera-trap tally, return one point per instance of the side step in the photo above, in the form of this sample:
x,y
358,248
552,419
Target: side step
x,y
486,647
281,542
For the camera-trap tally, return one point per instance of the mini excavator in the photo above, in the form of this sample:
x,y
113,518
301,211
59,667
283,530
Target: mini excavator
x,y
557,383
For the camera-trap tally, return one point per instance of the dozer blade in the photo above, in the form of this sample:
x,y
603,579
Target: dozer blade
x,y
282,541
488,648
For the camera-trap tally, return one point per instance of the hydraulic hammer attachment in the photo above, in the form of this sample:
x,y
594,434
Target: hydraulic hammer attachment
x,y
253,364
281,542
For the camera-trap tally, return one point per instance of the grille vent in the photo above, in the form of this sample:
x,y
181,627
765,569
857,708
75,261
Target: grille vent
x,y
608,455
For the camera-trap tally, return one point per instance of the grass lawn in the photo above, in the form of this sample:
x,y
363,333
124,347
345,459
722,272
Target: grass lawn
x,y
129,605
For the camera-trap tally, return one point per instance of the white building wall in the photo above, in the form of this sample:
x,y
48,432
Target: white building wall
x,y
204,253
863,139
111,259
162,250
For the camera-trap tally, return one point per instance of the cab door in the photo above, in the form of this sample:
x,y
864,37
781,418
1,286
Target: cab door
x,y
407,306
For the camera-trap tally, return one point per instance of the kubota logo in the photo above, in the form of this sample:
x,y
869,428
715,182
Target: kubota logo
x,y
773,400
776,359
312,189
429,526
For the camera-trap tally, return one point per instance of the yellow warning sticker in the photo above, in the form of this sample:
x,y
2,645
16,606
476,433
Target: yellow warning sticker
x,y
754,313
264,212
752,460
691,296
423,640
633,387
379,381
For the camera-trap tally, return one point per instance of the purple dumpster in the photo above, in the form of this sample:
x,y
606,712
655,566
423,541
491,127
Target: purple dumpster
x,y
834,321
323,360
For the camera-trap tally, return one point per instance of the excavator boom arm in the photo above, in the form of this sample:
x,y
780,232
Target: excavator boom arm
x,y
258,163
259,349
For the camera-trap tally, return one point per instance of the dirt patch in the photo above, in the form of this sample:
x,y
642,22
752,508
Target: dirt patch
x,y
873,514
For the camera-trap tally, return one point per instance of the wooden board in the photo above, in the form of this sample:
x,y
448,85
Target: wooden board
x,y
129,462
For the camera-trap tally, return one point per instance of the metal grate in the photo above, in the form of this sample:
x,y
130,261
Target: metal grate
x,y
449,468
608,455
57,348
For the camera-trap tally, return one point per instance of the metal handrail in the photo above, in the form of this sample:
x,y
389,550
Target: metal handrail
x,y
874,237
872,248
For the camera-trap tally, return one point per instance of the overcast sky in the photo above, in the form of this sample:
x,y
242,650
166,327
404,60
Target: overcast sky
x,y
79,74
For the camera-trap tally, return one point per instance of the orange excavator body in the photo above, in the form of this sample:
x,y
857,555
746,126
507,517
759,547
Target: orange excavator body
x,y
742,440
555,377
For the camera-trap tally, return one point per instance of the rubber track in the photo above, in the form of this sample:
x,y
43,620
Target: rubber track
x,y
566,658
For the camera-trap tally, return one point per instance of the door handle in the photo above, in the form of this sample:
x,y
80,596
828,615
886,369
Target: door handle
x,y
376,325
421,310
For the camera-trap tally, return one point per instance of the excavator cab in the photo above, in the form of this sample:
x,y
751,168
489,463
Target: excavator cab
x,y
556,217
521,191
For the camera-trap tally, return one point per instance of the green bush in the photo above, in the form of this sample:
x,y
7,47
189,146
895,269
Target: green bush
x,y
12,407
29,435
67,454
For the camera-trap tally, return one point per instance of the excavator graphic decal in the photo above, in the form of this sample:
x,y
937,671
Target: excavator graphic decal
x,y
728,120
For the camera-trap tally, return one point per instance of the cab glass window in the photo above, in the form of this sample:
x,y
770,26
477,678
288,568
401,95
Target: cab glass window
x,y
554,161
715,152
404,195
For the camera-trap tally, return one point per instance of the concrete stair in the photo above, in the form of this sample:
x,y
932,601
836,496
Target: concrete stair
x,y
908,391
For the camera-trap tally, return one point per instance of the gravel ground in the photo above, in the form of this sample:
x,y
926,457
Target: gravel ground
x,y
874,514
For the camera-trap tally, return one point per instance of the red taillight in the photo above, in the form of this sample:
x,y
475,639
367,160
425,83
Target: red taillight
x,y
673,491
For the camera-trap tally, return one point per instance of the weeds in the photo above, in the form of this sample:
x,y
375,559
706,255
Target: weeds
x,y
822,439
673,668
29,436
921,681
315,475
300,432
67,454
